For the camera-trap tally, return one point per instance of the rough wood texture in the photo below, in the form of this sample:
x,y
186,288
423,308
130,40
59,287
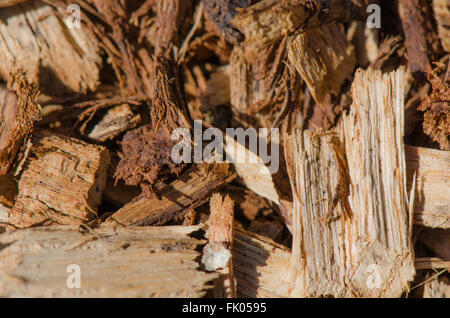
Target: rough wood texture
x,y
270,20
55,56
324,59
18,113
431,169
260,265
116,121
217,253
442,16
62,182
7,3
350,200
138,262
190,190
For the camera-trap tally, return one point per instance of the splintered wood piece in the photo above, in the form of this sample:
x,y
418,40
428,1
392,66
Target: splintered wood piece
x,y
437,287
217,253
111,262
251,170
18,112
62,182
350,199
324,58
189,190
442,16
431,169
57,56
270,20
116,121
260,266
431,263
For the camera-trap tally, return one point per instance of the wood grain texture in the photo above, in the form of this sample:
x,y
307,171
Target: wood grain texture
x,y
350,199
190,190
62,182
55,56
217,253
324,58
431,169
442,16
18,112
113,262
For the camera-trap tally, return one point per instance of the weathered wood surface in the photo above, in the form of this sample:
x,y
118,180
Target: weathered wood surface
x,y
18,112
431,169
62,182
217,253
113,262
442,16
57,57
350,199
324,58
188,191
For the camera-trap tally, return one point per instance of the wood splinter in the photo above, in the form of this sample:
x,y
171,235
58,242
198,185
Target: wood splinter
x,y
217,253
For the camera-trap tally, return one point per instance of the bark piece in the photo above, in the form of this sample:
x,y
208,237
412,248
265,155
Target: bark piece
x,y
350,199
221,12
268,21
146,159
324,59
138,262
7,3
56,57
436,122
431,169
62,182
116,121
18,113
189,190
8,190
442,16
217,253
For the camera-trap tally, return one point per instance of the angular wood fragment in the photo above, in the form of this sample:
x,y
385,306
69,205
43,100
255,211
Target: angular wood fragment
x,y
189,190
269,20
8,190
442,16
18,112
260,266
431,169
431,263
324,59
62,182
217,253
350,199
112,262
116,121
57,57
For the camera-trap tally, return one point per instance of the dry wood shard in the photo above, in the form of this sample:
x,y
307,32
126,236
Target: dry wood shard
x,y
324,59
217,253
138,262
431,169
62,182
442,16
58,57
18,113
350,199
269,20
189,190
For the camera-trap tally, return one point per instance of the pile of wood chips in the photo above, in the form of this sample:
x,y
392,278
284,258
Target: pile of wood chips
x,y
92,203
